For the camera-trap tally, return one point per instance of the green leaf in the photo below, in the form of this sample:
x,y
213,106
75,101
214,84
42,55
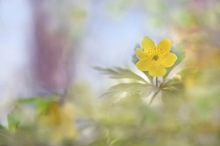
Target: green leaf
x,y
13,122
113,141
37,99
4,137
2,127
134,57
120,73
128,89
34,99
42,106
172,91
40,102
172,83
148,76
180,53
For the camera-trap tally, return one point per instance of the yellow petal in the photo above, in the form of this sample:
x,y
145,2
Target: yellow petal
x,y
140,54
147,44
143,65
168,60
157,70
164,45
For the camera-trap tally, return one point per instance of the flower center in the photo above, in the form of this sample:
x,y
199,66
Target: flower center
x,y
155,57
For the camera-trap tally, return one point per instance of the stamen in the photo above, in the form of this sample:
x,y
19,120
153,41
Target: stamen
x,y
155,57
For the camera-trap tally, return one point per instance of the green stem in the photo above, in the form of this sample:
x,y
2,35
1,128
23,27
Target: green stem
x,y
155,94
152,99
156,81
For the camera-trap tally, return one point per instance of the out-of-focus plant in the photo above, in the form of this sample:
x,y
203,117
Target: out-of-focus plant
x,y
57,123
38,121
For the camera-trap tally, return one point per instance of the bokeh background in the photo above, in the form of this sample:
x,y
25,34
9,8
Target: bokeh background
x,y
50,47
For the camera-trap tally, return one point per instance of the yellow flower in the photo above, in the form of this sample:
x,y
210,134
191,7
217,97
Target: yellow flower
x,y
58,122
155,59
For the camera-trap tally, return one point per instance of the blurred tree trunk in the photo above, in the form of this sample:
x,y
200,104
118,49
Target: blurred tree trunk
x,y
52,53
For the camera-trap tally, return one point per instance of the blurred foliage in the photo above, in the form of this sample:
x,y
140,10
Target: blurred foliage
x,y
131,122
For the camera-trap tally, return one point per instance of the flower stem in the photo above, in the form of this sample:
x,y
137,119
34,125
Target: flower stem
x,y
152,99
156,81
155,94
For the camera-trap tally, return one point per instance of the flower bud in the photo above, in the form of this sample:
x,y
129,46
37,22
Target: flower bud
x,y
177,77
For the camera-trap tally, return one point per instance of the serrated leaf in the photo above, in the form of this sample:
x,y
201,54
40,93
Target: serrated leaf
x,y
148,76
127,90
172,91
172,84
180,53
120,73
